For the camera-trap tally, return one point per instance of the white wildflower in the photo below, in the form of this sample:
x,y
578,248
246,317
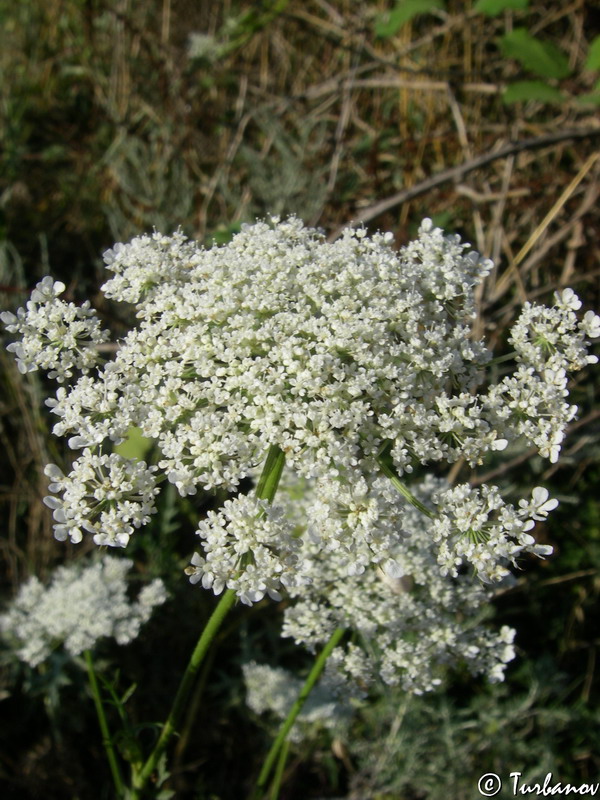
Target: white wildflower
x,y
590,325
540,504
247,546
339,354
81,605
478,527
408,620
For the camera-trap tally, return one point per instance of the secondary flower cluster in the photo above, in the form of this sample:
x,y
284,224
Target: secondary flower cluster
x,y
272,689
81,605
352,358
409,621
250,531
106,495
55,336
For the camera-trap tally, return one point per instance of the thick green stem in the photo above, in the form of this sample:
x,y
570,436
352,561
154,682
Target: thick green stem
x,y
313,677
271,474
266,489
106,738
390,472
172,722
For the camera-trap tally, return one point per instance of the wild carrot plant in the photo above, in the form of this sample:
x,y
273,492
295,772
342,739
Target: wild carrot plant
x,y
331,374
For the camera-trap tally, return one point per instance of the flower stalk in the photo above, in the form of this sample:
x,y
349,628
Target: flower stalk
x,y
266,490
106,737
390,473
276,785
296,708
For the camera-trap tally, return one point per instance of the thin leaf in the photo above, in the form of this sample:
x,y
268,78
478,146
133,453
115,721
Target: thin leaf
x,y
389,24
543,58
521,91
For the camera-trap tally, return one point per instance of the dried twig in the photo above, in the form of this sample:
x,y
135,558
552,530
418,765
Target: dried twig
x,y
458,172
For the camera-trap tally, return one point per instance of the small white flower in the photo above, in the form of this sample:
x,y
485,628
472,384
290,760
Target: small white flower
x,y
590,325
568,299
540,505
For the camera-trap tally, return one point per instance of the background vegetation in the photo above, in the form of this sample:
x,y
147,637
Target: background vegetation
x,y
118,116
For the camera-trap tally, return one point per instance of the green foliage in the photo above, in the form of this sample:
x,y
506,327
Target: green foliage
x,y
492,8
239,30
538,56
521,91
593,57
438,747
223,234
590,98
389,24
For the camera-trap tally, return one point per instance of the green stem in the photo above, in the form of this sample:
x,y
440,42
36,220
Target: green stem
x,y
266,489
106,737
172,722
271,474
193,706
390,472
276,785
501,359
313,677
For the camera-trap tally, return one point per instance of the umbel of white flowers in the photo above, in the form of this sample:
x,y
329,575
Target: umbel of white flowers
x,y
410,621
273,689
82,604
353,359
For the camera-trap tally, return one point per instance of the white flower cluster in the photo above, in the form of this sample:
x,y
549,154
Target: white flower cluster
x,y
81,605
55,336
553,338
407,620
249,547
106,495
272,689
479,527
549,343
343,355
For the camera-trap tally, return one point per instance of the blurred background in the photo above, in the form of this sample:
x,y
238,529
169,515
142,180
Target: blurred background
x,y
118,117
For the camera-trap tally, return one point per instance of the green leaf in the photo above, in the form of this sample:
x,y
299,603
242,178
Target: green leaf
x,y
388,24
543,58
521,91
589,99
494,7
593,57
